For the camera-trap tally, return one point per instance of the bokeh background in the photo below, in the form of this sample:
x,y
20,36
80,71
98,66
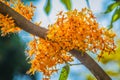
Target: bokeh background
x,y
13,62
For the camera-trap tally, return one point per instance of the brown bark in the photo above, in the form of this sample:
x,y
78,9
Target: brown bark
x,y
26,25
95,69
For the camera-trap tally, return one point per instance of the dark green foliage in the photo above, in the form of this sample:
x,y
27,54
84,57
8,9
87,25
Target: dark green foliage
x,y
12,57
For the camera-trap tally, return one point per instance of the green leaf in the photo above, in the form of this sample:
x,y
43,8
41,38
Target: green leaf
x,y
90,77
65,72
67,4
47,7
88,4
112,6
116,15
113,73
110,26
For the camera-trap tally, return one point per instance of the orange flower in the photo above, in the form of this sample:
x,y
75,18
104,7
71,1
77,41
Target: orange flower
x,y
72,30
25,10
7,25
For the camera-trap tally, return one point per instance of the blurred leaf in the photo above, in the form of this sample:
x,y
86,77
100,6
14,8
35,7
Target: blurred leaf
x,y
67,4
112,6
65,72
117,0
90,77
88,4
13,59
113,73
47,7
116,15
110,26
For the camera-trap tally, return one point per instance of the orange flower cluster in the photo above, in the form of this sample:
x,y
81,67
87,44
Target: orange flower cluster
x,y
25,10
47,55
7,23
79,30
72,30
5,2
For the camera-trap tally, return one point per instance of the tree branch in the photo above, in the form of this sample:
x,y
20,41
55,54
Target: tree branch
x,y
22,22
95,69
26,25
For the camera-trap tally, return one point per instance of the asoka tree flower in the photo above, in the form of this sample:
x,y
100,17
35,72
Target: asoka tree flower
x,y
25,10
73,30
7,23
